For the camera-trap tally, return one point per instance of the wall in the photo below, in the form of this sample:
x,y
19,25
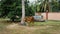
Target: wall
x,y
52,16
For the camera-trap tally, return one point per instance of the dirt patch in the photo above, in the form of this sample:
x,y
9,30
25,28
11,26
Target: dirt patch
x,y
17,26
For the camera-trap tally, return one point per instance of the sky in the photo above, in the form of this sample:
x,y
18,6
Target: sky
x,y
0,0
31,0
35,0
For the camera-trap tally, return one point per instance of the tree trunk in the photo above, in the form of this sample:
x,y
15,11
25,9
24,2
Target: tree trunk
x,y
23,12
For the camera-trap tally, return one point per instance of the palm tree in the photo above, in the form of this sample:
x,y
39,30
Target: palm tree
x,y
46,8
23,12
46,5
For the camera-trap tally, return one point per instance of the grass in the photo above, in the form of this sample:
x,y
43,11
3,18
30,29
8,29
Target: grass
x,y
50,27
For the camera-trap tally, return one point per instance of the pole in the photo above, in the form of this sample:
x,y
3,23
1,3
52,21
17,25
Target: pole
x,y
46,15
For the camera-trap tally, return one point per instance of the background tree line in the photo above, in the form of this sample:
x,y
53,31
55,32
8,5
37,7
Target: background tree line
x,y
11,8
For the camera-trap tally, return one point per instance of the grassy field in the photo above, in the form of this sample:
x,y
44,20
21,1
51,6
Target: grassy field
x,y
50,27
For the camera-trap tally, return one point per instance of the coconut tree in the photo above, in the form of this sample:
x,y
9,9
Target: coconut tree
x,y
23,12
46,8
46,5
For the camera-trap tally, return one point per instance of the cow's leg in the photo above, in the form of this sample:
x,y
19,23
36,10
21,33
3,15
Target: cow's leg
x,y
32,23
26,23
29,23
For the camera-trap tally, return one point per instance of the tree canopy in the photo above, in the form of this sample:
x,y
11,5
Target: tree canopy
x,y
10,8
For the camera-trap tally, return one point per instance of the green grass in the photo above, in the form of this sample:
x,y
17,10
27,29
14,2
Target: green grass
x,y
48,23
49,27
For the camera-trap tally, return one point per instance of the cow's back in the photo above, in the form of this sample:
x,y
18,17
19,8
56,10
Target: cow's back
x,y
29,19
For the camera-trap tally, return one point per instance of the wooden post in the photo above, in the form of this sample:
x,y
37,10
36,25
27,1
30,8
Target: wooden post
x,y
46,15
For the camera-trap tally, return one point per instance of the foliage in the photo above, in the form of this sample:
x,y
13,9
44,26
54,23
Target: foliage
x,y
55,6
14,7
11,8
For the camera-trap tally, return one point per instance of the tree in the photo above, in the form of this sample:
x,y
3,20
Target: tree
x,y
5,5
59,5
12,8
23,12
55,5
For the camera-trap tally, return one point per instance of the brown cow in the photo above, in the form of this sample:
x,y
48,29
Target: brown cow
x,y
29,20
